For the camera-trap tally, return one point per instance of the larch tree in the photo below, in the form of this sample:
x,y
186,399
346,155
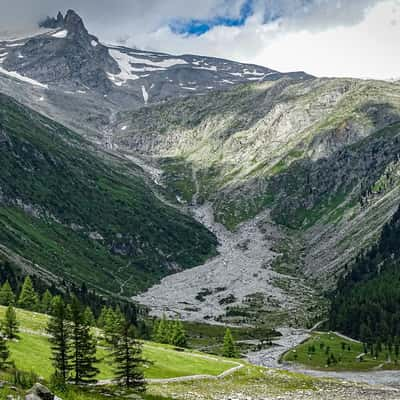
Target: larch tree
x,y
28,298
229,348
7,296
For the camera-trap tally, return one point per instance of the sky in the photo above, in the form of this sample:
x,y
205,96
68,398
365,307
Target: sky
x,y
354,38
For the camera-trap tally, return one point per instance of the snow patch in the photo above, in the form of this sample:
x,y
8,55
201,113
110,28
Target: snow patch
x,y
145,95
188,88
147,69
236,74
60,34
211,68
123,61
163,63
124,128
93,43
247,72
16,75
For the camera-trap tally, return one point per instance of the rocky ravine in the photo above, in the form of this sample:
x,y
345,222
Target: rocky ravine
x,y
242,268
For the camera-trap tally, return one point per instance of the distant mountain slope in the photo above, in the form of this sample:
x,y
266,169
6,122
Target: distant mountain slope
x,y
86,217
318,153
67,57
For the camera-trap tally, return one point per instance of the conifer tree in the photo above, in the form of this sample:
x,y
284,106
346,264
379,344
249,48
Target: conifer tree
x,y
163,331
127,353
83,345
229,349
7,296
89,317
4,352
102,317
112,321
178,336
46,302
10,324
28,298
60,331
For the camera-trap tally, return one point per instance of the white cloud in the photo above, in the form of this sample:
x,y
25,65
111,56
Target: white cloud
x,y
324,37
367,48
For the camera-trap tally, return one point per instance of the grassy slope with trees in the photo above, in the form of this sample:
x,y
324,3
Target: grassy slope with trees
x,y
366,302
328,351
32,352
83,217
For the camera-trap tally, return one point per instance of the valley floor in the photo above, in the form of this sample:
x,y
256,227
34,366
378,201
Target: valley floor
x,y
192,375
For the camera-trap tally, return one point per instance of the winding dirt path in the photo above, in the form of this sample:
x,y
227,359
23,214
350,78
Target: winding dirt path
x,y
187,378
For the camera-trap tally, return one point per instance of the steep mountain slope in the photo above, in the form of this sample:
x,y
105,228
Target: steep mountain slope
x,y
85,216
365,304
322,155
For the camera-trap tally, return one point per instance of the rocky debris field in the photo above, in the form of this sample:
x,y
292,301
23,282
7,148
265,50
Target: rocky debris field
x,y
242,268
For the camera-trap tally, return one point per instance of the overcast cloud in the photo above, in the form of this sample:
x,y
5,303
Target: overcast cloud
x,y
324,37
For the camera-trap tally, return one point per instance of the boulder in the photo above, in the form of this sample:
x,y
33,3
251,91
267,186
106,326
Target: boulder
x,y
39,392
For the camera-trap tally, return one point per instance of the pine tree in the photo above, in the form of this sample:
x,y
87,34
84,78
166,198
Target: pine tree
x,y
178,337
128,358
7,296
46,302
28,298
4,352
163,331
60,331
229,349
112,321
84,346
89,317
102,317
10,324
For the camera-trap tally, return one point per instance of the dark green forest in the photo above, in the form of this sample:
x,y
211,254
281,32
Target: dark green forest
x,y
366,304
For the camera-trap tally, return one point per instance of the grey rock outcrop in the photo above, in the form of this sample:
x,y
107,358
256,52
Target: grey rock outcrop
x,y
39,392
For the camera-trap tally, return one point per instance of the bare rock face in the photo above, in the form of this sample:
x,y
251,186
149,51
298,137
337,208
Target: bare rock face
x,y
68,56
39,392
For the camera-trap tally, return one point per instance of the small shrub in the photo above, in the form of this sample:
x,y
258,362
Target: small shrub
x,y
24,379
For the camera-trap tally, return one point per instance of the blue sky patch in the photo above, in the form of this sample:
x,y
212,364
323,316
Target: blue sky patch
x,y
198,27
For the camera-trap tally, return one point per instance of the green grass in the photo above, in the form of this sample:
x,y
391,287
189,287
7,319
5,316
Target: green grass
x,y
32,352
250,382
344,351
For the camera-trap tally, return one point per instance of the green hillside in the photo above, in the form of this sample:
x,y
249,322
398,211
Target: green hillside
x,y
166,362
84,217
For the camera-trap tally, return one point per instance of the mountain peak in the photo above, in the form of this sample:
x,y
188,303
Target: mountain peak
x,y
74,23
52,23
71,22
